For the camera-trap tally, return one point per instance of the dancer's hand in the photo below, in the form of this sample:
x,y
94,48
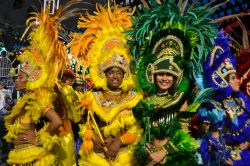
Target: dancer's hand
x,y
230,113
98,144
108,140
113,149
229,162
156,156
244,145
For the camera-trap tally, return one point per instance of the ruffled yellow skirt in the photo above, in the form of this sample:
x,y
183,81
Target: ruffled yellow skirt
x,y
124,158
31,155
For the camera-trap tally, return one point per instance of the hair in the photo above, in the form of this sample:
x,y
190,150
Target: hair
x,y
67,74
113,67
75,84
227,78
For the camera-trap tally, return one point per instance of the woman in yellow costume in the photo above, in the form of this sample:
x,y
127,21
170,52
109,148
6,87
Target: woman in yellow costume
x,y
110,130
41,65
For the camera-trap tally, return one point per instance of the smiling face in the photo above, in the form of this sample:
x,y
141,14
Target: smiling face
x,y
164,81
234,82
115,77
21,80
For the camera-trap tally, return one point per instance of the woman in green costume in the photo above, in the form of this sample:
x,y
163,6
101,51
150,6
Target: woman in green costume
x,y
170,41
162,113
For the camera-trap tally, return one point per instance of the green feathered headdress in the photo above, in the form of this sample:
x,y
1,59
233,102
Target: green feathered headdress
x,y
180,30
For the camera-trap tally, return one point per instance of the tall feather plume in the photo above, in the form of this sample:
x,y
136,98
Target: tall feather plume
x,y
81,44
70,10
45,37
233,16
170,15
245,40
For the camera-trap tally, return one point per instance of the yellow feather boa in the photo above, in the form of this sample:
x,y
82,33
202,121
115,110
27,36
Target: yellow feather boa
x,y
46,51
35,155
124,158
31,107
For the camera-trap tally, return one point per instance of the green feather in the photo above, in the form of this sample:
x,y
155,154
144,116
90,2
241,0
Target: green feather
x,y
194,25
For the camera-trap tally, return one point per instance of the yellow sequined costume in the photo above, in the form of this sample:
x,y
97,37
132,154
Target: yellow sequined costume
x,y
118,121
103,45
28,110
42,62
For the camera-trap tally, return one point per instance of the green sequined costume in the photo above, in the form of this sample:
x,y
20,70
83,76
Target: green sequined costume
x,y
160,117
170,37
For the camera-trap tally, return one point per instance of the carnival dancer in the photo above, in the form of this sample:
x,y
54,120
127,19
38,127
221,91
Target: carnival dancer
x,y
225,109
41,64
110,130
170,45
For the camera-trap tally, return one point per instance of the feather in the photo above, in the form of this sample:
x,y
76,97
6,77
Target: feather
x,y
145,4
217,6
221,19
245,40
105,24
183,7
46,37
88,136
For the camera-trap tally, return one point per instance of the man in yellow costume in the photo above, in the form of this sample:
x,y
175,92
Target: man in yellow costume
x,y
110,131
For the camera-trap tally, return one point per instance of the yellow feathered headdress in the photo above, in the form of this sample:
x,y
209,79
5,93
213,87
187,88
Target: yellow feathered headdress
x,y
45,58
103,44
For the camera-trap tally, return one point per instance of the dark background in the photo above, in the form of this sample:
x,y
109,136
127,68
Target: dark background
x,y
13,14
